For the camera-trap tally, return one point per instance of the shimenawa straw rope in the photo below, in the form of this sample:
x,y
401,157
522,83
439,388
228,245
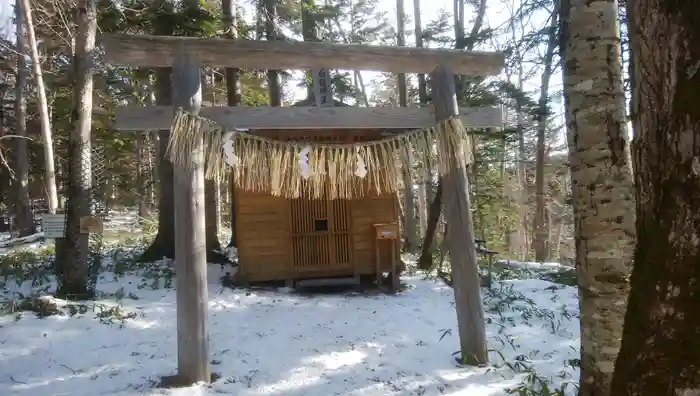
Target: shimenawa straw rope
x,y
293,169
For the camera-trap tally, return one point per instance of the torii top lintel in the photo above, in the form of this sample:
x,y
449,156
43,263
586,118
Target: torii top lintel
x,y
160,51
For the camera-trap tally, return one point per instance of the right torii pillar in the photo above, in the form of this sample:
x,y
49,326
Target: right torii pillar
x,y
460,234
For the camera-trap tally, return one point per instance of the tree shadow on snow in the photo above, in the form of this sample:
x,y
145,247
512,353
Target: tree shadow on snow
x,y
261,342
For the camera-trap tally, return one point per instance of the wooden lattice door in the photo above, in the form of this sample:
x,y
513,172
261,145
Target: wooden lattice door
x,y
320,229
320,233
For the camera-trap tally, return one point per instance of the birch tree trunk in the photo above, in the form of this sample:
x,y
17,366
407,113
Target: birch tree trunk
x,y
425,190
51,193
602,186
229,13
661,339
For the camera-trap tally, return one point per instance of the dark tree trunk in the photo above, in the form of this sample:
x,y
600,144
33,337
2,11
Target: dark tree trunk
x,y
212,209
143,175
72,252
211,215
661,339
425,262
540,221
308,32
211,223
155,167
23,212
271,33
164,243
232,207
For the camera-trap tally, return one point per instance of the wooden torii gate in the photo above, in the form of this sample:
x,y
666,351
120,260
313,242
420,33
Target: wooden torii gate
x,y
187,54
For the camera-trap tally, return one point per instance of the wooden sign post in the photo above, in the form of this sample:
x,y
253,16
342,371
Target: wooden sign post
x,y
460,235
386,232
323,91
190,241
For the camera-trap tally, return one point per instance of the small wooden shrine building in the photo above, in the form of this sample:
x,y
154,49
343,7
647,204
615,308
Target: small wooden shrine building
x,y
306,238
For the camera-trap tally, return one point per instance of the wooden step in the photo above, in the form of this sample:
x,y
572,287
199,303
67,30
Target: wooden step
x,y
319,282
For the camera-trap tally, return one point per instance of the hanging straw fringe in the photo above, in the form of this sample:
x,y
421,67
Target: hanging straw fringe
x,y
273,166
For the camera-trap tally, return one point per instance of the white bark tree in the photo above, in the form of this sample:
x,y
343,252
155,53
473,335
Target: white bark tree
x,y
601,177
409,224
51,192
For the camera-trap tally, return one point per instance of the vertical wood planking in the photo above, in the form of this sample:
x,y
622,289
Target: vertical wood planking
x,y
326,238
319,250
190,246
353,254
460,236
293,219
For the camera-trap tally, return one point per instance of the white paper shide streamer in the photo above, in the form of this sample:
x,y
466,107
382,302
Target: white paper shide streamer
x,y
304,167
229,157
361,168
197,156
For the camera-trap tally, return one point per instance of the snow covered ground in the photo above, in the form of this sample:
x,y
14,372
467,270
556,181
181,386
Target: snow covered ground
x,y
278,342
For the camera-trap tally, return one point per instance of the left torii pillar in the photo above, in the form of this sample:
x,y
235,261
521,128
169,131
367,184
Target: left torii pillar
x,y
190,238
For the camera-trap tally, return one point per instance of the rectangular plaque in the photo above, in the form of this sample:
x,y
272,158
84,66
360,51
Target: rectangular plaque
x,y
323,91
53,225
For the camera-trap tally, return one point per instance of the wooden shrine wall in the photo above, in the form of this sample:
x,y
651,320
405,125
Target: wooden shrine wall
x,y
281,238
